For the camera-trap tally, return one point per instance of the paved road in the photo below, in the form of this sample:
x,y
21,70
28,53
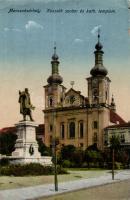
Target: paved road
x,y
48,190
113,191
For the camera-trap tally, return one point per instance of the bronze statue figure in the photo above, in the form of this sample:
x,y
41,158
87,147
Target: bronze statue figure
x,y
25,104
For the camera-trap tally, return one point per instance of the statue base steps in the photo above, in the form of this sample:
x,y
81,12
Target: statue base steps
x,y
44,160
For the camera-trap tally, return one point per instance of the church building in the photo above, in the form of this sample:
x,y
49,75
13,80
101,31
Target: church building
x,y
76,119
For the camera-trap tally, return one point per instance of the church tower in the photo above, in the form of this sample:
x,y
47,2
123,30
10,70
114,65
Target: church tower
x,y
54,97
54,91
98,96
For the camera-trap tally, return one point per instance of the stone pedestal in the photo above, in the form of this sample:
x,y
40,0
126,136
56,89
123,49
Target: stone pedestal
x,y
26,147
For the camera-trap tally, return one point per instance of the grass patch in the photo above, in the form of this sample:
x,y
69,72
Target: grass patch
x,y
85,169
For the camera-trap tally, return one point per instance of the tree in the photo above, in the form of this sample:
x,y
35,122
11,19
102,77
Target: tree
x,y
78,157
43,149
7,143
92,156
67,152
114,146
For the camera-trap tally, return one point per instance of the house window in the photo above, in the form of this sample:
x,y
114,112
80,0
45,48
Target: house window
x,y
81,129
95,124
62,131
122,138
72,130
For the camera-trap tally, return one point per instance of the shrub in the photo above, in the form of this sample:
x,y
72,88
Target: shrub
x,y
67,164
33,169
4,161
118,165
7,143
61,170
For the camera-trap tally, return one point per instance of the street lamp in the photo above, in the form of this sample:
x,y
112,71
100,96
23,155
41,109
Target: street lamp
x,y
55,142
55,163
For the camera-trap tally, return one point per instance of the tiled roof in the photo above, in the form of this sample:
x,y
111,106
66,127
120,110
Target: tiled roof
x,y
8,130
115,118
39,129
123,125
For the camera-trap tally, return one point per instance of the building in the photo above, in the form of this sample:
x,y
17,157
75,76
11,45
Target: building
x,y
120,130
76,119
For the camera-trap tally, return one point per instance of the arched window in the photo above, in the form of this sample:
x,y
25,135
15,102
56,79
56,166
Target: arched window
x,y
81,129
72,130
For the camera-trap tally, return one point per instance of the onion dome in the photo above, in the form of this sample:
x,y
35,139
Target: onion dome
x,y
98,69
55,77
98,46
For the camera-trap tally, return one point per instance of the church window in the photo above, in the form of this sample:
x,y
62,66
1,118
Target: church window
x,y
72,130
81,129
95,124
95,137
50,139
106,95
72,99
50,101
51,127
62,131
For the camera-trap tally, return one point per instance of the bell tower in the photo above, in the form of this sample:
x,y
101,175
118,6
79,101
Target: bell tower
x,y
98,96
54,98
98,83
54,91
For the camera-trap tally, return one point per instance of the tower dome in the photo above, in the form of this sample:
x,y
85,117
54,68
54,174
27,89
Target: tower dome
x,y
98,69
55,77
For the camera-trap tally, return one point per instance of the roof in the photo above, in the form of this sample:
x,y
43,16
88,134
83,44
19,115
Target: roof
x,y
124,125
40,129
8,130
77,92
115,118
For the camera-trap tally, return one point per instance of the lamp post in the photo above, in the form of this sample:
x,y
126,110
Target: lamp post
x,y
113,163
114,145
55,164
55,142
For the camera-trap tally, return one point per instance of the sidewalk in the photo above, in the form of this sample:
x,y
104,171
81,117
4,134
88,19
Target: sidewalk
x,y
48,189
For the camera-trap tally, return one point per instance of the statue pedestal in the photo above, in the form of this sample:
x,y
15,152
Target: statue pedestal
x,y
26,147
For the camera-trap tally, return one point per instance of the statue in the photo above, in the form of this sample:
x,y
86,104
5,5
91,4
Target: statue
x,y
25,104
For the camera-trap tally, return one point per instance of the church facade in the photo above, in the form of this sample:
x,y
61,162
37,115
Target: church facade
x,y
76,119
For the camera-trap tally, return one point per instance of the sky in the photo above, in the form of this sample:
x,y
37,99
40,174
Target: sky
x,y
26,46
